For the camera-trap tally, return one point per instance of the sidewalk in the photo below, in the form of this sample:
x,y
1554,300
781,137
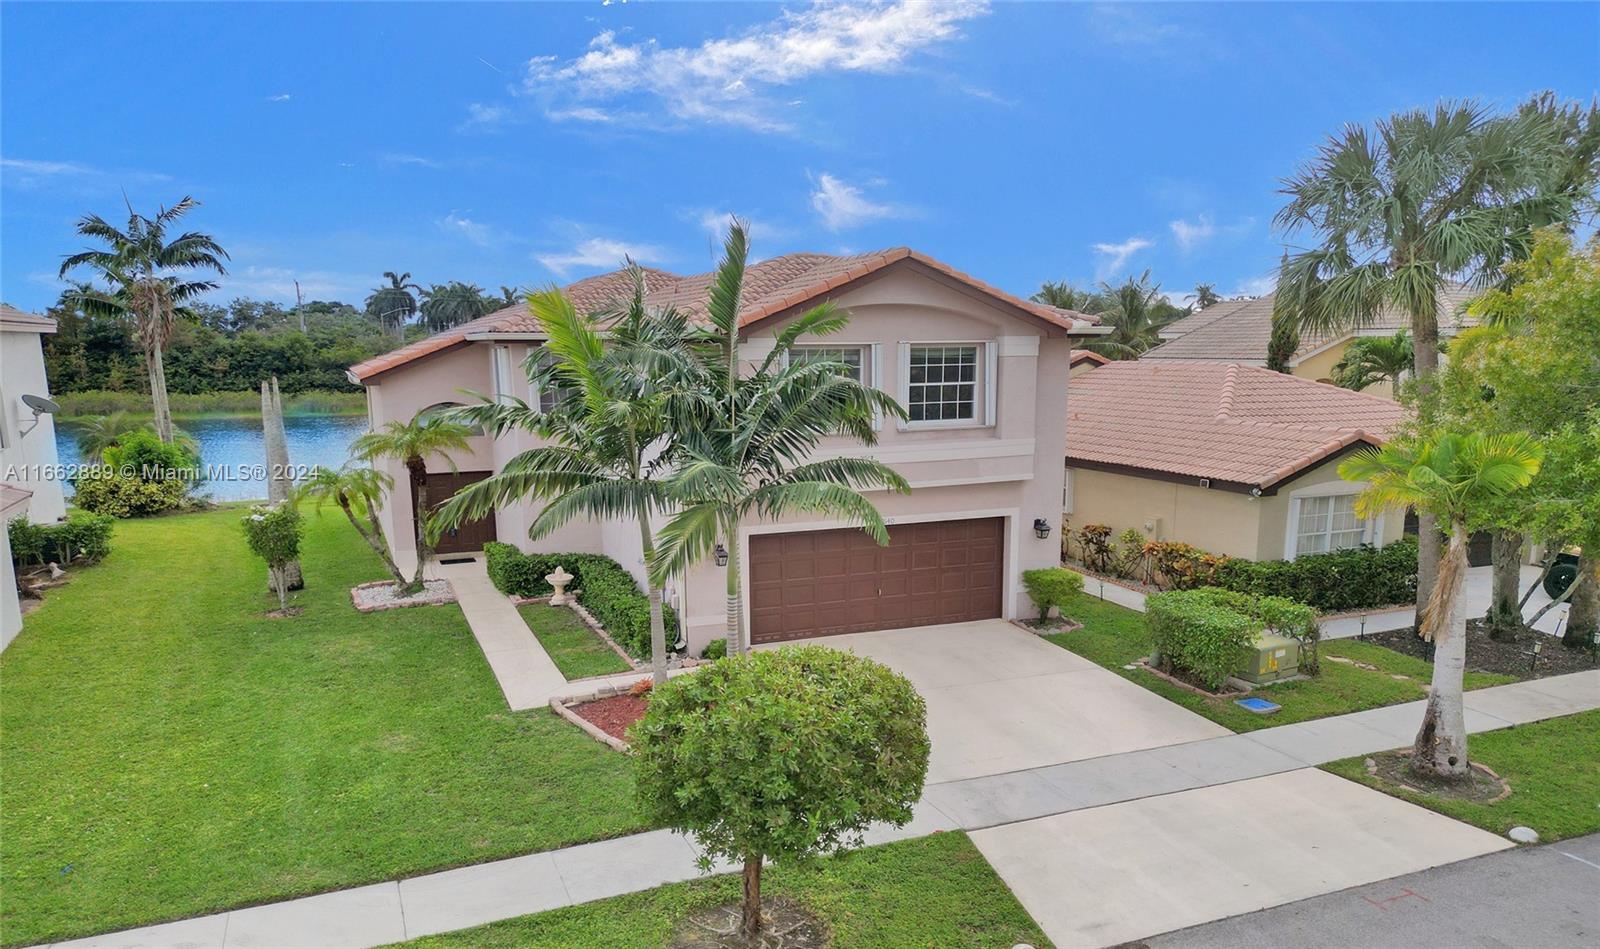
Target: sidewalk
x,y
470,896
526,674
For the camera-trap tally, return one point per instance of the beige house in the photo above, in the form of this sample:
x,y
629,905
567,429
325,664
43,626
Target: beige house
x,y
1234,459
983,374
30,485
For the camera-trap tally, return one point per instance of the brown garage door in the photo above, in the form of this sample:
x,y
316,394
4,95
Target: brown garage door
x,y
819,583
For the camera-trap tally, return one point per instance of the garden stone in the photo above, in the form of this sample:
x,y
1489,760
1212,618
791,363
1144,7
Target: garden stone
x,y
1523,835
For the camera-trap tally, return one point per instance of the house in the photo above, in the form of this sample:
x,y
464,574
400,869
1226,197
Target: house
x,y
1234,459
30,482
1084,360
983,373
1237,331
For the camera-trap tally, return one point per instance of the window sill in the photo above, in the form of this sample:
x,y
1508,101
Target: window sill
x,y
943,426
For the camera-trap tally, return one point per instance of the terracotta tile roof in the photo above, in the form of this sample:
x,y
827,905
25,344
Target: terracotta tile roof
x,y
1239,330
771,287
1081,356
11,316
1240,424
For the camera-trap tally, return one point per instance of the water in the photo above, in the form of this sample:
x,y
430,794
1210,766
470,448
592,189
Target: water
x,y
234,445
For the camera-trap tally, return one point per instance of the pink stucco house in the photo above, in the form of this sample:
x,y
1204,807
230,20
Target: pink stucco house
x,y
983,374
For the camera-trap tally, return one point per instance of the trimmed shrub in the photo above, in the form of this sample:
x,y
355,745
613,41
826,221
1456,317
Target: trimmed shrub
x,y
605,590
117,496
273,533
1051,586
1355,579
1204,632
82,534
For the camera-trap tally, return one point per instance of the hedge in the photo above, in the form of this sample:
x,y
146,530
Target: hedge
x,y
1204,632
1355,579
607,590
1051,587
82,534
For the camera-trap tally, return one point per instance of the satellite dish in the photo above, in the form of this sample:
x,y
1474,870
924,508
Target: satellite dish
x,y
41,405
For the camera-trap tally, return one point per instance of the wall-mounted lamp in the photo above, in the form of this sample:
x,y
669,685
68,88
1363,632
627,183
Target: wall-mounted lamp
x,y
1041,528
721,553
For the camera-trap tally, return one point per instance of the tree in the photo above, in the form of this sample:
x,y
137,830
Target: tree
x,y
394,303
1065,296
743,437
1205,295
1136,310
781,755
1450,476
412,444
1424,198
1368,360
99,432
608,440
451,304
358,490
142,273
274,532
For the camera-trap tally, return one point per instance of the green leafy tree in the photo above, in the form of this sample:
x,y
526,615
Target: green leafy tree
x,y
451,304
144,277
412,444
781,755
394,304
1452,477
1136,310
1369,360
358,490
274,533
743,438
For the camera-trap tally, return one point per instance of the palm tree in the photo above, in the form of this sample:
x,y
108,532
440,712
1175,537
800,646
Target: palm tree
x,y
1065,296
743,437
394,302
509,296
412,444
358,490
1424,198
608,442
1205,295
451,304
1136,311
1452,477
99,432
141,270
1369,360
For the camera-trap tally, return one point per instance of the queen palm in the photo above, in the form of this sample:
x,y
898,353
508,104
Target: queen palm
x,y
394,302
1135,311
1373,359
99,432
412,444
742,438
144,281
451,304
1453,477
609,436
358,490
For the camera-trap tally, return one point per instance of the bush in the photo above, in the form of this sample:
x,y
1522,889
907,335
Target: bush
x,y
1051,587
1095,541
1130,555
143,455
1356,579
1203,632
784,755
118,496
716,649
82,534
273,533
1175,565
605,590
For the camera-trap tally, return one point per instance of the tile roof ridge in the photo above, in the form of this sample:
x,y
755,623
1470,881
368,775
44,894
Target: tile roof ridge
x,y
1225,398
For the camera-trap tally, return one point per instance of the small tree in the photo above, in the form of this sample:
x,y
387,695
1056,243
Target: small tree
x,y
781,755
358,490
273,533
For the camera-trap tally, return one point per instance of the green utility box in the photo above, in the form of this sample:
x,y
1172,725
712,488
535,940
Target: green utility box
x,y
1272,658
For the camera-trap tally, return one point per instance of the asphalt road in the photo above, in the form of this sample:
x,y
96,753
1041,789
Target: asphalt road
x,y
1543,897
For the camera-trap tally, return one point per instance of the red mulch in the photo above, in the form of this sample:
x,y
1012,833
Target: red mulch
x,y
615,714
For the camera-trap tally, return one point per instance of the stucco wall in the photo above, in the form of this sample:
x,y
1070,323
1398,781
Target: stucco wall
x,y
1222,522
28,460
1274,521
1319,367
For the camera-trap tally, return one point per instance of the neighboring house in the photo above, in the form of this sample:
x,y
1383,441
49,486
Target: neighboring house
x,y
1237,331
30,484
983,373
1233,459
1083,360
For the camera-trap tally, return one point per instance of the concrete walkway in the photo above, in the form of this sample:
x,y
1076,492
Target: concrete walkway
x,y
526,673
453,899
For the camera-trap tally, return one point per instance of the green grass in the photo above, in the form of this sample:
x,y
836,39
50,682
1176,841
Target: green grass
x,y
1552,767
931,891
168,750
1114,636
574,647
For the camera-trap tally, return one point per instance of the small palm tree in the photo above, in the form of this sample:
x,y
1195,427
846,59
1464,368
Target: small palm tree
x,y
100,432
412,444
394,304
358,490
1205,295
1453,477
1369,360
743,437
142,272
1136,311
451,304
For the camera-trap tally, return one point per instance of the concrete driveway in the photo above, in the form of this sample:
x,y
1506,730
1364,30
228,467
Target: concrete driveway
x,y
1001,699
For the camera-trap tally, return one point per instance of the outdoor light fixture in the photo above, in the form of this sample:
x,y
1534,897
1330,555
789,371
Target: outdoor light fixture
x,y
721,553
1041,528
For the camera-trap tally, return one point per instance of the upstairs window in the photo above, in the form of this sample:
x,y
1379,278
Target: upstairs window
x,y
851,357
942,383
550,396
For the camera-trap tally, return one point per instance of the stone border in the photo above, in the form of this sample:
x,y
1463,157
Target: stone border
x,y
423,599
637,665
1190,687
1041,633
1372,772
563,708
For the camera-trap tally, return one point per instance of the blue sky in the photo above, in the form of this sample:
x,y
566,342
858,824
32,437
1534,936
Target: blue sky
x,y
524,144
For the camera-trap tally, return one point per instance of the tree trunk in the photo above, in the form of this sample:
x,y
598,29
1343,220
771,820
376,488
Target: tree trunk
x,y
1504,618
158,393
1425,362
658,623
1583,616
373,535
419,495
280,586
735,604
279,483
1440,751
750,920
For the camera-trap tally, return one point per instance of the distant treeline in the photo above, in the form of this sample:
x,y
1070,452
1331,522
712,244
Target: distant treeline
x,y
309,402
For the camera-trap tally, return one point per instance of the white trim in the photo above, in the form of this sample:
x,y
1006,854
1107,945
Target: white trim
x,y
500,372
932,451
991,381
505,337
986,359
1066,489
903,380
1017,345
877,381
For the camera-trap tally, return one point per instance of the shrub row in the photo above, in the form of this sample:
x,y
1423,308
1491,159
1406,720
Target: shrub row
x,y
1204,632
118,496
83,534
1355,579
608,591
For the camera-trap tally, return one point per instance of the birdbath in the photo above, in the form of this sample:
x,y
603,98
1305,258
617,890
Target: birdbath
x,y
558,581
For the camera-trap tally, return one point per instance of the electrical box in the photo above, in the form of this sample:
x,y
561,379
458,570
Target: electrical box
x,y
1270,659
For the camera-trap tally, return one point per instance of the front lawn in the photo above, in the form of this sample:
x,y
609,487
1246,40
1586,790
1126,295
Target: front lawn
x,y
168,750
572,645
1114,636
933,891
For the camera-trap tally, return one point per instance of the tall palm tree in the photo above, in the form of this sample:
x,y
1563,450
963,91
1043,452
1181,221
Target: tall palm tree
x,y
1065,296
412,444
144,282
1369,360
609,441
359,491
509,296
394,303
743,437
1136,311
1205,295
1453,477
1424,198
451,304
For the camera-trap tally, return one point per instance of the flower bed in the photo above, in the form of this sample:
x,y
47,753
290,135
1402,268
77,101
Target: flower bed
x,y
606,713
385,595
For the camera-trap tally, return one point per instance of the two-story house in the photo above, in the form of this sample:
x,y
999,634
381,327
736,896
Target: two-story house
x,y
983,375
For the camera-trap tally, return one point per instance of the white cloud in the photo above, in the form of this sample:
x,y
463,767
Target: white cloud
x,y
594,253
478,233
1256,286
401,158
727,81
716,223
280,97
1189,235
1115,255
1126,25
482,117
27,172
841,205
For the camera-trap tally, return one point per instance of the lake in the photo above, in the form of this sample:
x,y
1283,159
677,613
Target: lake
x,y
233,445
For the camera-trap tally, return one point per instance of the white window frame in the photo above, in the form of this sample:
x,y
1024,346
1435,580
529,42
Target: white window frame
x,y
1066,491
1371,534
983,414
871,366
500,374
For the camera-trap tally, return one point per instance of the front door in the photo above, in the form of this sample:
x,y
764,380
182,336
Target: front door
x,y
471,535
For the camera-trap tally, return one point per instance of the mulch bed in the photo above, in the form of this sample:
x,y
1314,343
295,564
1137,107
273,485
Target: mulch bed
x,y
788,925
614,715
1394,767
1487,655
